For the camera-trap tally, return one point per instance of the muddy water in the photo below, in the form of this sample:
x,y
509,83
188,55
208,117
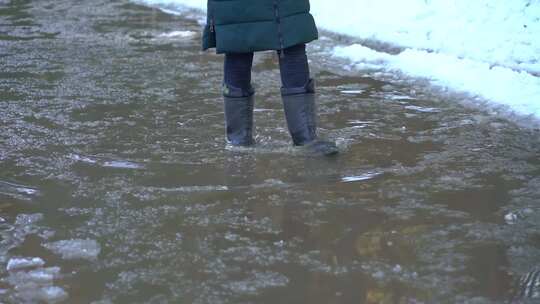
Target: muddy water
x,y
116,185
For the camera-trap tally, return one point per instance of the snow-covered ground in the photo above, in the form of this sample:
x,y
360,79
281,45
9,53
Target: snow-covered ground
x,y
488,48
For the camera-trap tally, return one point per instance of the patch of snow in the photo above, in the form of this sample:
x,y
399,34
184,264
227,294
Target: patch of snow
x,y
53,293
20,263
398,97
35,286
351,92
209,188
21,189
75,249
513,217
361,177
121,164
422,109
37,276
518,90
28,219
178,34
45,294
258,281
117,164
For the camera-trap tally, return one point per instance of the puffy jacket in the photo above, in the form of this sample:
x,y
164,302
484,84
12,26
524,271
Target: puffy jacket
x,y
241,26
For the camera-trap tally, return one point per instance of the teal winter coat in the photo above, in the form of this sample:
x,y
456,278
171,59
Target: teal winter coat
x,y
242,26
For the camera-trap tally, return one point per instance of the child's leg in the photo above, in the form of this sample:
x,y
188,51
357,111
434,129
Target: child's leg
x,y
298,93
238,98
237,70
294,66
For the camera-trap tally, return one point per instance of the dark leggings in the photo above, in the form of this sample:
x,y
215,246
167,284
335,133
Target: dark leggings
x,y
293,65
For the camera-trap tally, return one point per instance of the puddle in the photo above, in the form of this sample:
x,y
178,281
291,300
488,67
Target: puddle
x,y
120,140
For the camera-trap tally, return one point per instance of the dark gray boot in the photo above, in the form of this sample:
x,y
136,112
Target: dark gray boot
x,y
239,115
300,112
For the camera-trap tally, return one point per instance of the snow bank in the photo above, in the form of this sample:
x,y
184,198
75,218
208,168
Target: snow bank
x,y
499,32
490,48
518,90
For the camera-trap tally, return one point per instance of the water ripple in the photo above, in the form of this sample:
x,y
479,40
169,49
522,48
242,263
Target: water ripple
x,y
107,163
18,191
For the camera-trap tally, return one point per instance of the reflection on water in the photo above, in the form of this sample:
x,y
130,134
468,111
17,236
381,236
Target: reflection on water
x,y
116,185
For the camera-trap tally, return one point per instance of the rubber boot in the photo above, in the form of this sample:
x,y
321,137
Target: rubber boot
x,y
239,115
300,113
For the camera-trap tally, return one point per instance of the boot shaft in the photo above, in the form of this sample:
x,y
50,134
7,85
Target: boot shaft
x,y
300,113
238,106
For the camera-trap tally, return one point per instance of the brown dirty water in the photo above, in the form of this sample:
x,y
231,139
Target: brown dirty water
x,y
116,185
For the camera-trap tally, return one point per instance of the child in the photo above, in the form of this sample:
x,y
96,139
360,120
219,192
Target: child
x,y
240,27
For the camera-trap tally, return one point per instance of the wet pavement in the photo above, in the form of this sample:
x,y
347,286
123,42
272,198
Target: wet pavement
x,y
116,185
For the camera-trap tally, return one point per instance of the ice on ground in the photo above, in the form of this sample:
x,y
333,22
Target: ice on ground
x,y
31,282
351,92
43,275
20,263
37,276
83,159
360,122
513,217
75,249
45,294
361,177
35,286
52,293
173,4
398,97
14,235
121,164
209,188
178,34
28,219
106,163
48,294
18,191
422,109
258,281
